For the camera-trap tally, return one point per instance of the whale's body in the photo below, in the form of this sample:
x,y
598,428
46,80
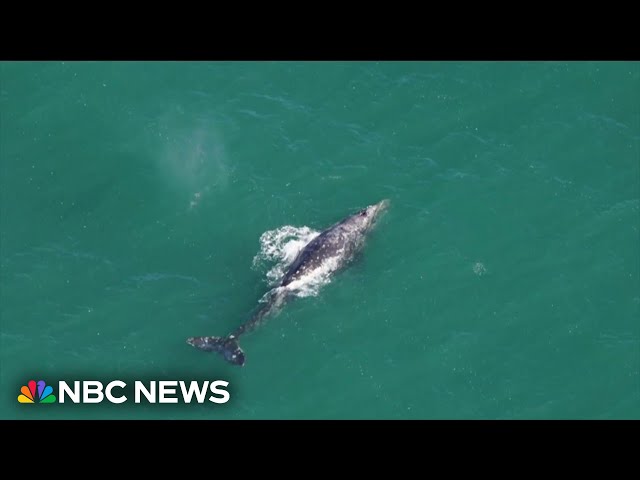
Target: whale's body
x,y
329,252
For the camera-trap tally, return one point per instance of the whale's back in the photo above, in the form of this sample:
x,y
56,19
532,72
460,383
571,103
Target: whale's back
x,y
331,246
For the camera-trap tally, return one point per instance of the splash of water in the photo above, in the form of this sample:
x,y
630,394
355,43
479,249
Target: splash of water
x,y
312,282
279,248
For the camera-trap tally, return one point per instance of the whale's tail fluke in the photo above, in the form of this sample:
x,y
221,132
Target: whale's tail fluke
x,y
228,347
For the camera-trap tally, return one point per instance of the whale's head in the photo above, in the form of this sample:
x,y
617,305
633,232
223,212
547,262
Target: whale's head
x,y
367,218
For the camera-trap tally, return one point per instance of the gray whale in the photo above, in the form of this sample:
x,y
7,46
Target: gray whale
x,y
330,251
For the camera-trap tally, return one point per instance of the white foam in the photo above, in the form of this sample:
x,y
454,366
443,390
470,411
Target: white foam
x,y
312,282
279,248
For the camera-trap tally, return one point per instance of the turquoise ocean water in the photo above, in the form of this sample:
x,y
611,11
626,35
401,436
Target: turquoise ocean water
x,y
504,281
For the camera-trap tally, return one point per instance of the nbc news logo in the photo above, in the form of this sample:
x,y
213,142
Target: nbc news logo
x,y
93,391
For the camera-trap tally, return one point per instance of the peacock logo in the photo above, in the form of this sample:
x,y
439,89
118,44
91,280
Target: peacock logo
x,y
28,393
